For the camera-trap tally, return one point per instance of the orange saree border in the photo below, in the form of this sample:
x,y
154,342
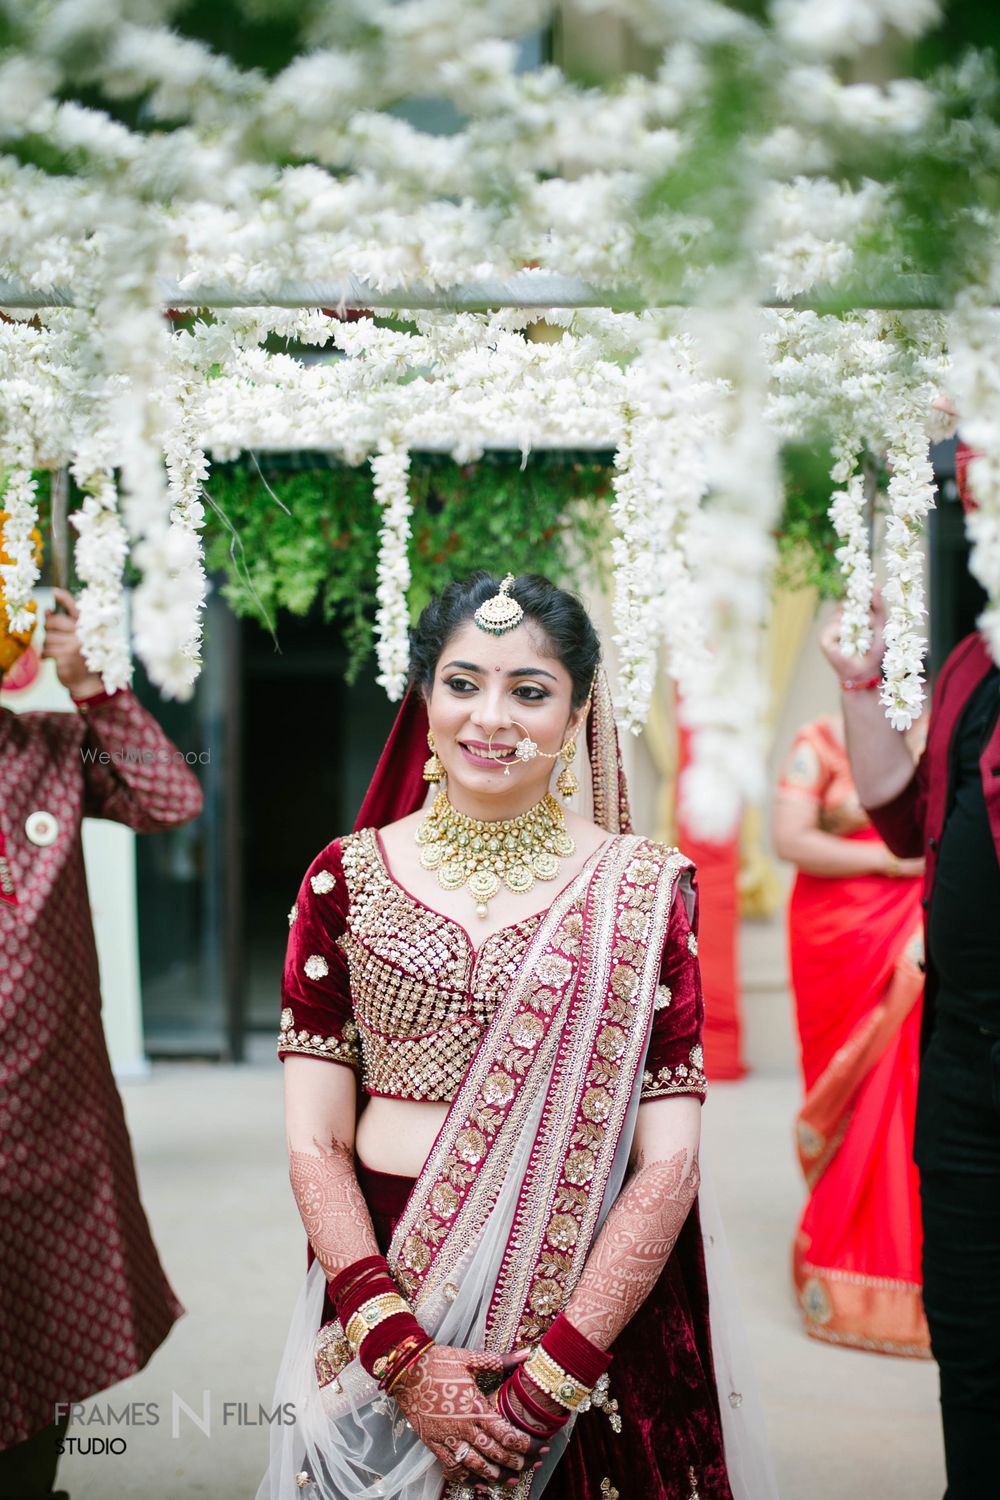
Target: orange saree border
x,y
837,1304
825,1115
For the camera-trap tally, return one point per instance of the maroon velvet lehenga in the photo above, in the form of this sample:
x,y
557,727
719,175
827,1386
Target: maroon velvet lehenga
x,y
376,981
670,1443
84,1301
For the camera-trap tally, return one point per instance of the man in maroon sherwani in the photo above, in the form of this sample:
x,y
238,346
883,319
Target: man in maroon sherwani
x,y
84,1301
948,811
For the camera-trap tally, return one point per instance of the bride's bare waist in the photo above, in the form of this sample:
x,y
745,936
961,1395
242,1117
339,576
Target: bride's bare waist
x,y
396,1135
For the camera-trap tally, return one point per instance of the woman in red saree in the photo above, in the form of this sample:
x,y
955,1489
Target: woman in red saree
x,y
512,1208
854,925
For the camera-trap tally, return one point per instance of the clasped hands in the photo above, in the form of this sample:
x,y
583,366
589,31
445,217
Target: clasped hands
x,y
440,1398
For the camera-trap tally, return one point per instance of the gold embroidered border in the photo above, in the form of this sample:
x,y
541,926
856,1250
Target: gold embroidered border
x,y
589,1095
343,1048
680,1078
455,1192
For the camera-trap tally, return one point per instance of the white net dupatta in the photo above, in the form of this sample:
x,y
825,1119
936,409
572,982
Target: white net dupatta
x,y
352,1442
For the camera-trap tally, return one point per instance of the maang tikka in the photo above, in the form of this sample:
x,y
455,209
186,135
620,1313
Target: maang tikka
x,y
499,613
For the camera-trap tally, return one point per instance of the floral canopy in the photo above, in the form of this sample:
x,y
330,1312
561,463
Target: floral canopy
x,y
736,246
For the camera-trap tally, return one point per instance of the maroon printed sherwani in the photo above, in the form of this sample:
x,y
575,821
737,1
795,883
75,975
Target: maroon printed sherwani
x,y
84,1301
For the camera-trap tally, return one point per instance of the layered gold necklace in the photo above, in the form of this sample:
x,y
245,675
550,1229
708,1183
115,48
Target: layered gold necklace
x,y
514,852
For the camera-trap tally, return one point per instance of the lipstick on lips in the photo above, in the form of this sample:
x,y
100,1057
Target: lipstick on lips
x,y
478,752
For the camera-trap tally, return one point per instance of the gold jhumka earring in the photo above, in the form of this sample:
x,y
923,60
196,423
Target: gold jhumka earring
x,y
433,769
566,782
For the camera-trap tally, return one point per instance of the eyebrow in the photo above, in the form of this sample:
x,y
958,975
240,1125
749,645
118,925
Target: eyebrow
x,y
470,666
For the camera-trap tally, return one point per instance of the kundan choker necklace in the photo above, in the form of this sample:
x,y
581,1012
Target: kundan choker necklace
x,y
514,852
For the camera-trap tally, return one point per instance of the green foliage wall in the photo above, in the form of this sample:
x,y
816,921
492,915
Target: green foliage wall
x,y
301,529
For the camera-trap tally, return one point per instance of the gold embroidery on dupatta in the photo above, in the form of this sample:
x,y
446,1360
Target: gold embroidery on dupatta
x,y
586,1107
492,1112
494,1099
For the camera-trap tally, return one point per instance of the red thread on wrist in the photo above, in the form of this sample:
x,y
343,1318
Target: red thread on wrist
x,y
860,684
95,699
575,1353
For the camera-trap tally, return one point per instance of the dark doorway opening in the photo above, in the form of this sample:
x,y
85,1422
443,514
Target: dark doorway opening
x,y
309,745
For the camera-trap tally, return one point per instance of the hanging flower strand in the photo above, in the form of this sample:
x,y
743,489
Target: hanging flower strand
x,y
975,386
390,469
847,513
911,496
100,552
20,574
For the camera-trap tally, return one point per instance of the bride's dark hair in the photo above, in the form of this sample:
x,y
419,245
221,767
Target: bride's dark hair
x,y
557,612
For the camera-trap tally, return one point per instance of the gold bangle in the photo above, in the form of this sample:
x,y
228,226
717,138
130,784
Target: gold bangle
x,y
553,1380
370,1314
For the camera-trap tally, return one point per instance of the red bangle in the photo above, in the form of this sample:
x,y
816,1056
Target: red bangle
x,y
575,1353
385,1337
398,1367
519,1382
860,684
356,1271
551,1422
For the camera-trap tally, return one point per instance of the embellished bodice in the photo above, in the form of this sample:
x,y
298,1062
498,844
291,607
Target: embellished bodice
x,y
422,996
379,982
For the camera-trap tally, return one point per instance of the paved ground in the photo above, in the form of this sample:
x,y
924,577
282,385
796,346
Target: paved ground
x,y
843,1425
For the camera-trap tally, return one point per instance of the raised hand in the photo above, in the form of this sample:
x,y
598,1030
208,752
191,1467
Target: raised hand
x,y
865,666
451,1416
63,647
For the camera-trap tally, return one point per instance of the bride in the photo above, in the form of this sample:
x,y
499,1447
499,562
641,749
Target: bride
x,y
493,1074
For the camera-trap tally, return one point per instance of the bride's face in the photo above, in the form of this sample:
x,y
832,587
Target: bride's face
x,y
507,686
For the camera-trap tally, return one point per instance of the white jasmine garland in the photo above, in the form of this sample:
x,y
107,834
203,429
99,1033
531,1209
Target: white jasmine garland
x,y
390,469
187,470
658,482
18,576
725,702
975,387
911,495
100,553
847,513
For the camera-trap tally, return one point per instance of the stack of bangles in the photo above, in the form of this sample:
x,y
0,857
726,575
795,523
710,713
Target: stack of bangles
x,y
377,1321
565,1367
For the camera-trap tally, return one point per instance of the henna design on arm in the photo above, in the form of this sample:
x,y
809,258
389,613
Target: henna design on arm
x,y
332,1206
634,1246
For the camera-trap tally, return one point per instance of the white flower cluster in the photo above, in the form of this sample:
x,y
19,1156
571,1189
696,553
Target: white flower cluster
x,y
911,495
724,704
847,512
659,481
100,553
20,573
390,469
975,382
543,172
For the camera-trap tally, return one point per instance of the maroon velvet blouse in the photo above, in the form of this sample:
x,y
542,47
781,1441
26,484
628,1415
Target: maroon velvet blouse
x,y
379,982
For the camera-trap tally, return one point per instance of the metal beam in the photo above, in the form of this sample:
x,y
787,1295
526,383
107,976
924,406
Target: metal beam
x,y
527,289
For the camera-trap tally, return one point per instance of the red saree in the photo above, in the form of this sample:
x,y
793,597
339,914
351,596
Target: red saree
x,y
854,947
